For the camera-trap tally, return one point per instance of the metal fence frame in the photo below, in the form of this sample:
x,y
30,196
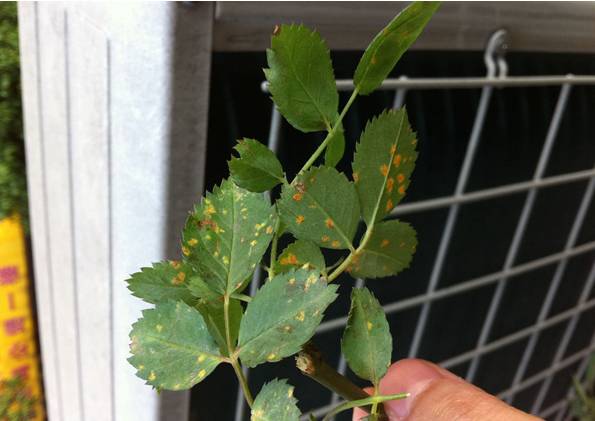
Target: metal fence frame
x,y
496,78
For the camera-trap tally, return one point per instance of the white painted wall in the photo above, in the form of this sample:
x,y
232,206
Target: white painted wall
x,y
115,101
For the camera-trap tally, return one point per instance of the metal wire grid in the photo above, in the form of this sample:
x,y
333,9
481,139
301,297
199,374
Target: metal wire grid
x,y
496,77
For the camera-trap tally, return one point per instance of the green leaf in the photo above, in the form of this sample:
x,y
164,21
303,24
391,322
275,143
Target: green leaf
x,y
388,46
171,347
321,206
227,234
301,78
213,313
388,251
163,281
367,344
383,162
283,315
257,169
275,402
335,149
298,254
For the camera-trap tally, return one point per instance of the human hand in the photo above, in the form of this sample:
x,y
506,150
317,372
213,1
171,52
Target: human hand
x,y
438,395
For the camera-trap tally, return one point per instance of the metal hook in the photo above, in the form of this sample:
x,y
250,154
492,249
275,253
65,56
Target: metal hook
x,y
494,54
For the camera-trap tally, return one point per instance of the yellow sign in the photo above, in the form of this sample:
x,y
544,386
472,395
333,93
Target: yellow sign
x,y
18,353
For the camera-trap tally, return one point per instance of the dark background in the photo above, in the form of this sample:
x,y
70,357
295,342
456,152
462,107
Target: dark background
x,y
511,141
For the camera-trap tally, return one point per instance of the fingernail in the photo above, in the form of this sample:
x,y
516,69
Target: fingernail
x,y
415,382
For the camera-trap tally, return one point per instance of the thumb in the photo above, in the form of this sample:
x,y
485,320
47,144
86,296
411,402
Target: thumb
x,y
439,395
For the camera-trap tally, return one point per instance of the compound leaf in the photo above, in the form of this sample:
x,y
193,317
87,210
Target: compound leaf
x,y
301,78
283,315
367,343
321,206
298,254
275,402
227,234
163,281
171,346
388,251
257,168
383,162
388,46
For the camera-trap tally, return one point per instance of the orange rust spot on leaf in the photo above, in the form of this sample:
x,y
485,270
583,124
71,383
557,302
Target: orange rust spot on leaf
x,y
175,264
185,250
290,259
355,177
325,238
300,187
335,244
192,242
384,243
297,197
384,169
329,223
400,178
401,189
373,60
393,149
389,184
389,205
179,278
299,219
397,160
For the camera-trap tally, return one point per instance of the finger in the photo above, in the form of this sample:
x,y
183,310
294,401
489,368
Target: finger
x,y
439,395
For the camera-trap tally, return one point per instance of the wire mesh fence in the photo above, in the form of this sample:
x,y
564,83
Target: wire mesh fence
x,y
528,338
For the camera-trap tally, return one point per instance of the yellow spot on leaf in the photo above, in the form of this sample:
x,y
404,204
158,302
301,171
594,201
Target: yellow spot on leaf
x,y
384,243
389,205
141,367
179,278
225,260
290,259
299,219
329,223
401,189
152,376
290,392
335,244
297,197
269,230
185,250
271,356
393,149
291,281
369,325
253,243
175,264
159,328
389,184
397,160
300,316
325,238
287,328
355,177
192,242
201,358
384,170
202,373
210,210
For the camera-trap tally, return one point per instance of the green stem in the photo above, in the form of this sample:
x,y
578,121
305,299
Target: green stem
x,y
227,328
243,382
233,358
329,135
374,400
271,269
241,297
343,266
